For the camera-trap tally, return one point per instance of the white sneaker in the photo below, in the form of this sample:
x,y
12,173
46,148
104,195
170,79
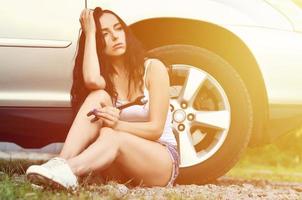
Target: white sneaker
x,y
56,172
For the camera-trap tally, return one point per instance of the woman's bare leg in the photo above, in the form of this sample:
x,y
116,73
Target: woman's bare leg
x,y
140,159
82,132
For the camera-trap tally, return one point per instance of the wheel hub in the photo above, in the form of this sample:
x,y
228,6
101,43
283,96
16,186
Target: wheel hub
x,y
179,116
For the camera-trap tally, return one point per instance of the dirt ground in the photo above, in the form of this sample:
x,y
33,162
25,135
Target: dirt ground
x,y
225,188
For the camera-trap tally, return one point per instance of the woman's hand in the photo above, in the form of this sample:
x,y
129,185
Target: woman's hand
x,y
108,114
87,22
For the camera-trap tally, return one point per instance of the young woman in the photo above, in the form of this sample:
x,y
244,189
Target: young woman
x,y
135,143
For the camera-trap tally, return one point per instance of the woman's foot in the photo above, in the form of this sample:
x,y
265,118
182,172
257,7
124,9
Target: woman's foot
x,y
55,173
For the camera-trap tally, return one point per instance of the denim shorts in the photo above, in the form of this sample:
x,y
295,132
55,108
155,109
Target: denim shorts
x,y
172,149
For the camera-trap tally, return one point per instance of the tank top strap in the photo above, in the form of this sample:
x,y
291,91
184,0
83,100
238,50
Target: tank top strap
x,y
147,63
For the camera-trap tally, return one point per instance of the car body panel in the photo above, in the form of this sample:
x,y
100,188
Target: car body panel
x,y
237,16
291,9
279,56
266,31
37,43
37,53
271,36
221,12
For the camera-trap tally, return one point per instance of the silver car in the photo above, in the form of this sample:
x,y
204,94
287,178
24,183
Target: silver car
x,y
235,72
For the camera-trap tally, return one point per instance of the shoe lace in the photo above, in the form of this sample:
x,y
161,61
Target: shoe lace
x,y
54,162
57,162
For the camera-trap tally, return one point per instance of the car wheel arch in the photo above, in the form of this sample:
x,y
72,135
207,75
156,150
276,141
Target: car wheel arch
x,y
157,32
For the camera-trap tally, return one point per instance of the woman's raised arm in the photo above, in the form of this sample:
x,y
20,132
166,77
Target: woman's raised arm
x,y
91,70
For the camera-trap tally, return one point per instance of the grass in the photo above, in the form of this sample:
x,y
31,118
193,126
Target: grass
x,y
279,161
17,187
14,187
267,173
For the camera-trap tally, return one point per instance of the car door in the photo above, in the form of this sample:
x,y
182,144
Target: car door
x,y
38,40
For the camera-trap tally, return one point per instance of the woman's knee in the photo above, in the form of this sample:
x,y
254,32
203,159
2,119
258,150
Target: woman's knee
x,y
110,135
100,96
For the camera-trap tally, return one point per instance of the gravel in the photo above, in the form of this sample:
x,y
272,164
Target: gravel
x,y
225,188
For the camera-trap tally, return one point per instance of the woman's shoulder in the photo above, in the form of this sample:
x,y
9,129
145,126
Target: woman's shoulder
x,y
154,67
149,61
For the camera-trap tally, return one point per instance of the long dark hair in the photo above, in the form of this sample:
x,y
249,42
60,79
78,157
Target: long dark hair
x,y
134,63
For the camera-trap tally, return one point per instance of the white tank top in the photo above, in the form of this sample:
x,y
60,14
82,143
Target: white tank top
x,y
140,113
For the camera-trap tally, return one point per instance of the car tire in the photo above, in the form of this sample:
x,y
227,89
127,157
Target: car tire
x,y
225,83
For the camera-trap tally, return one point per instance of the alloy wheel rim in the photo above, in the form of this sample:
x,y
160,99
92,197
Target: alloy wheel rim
x,y
200,125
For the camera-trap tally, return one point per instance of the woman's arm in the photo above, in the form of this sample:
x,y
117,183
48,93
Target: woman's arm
x,y
91,69
158,84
